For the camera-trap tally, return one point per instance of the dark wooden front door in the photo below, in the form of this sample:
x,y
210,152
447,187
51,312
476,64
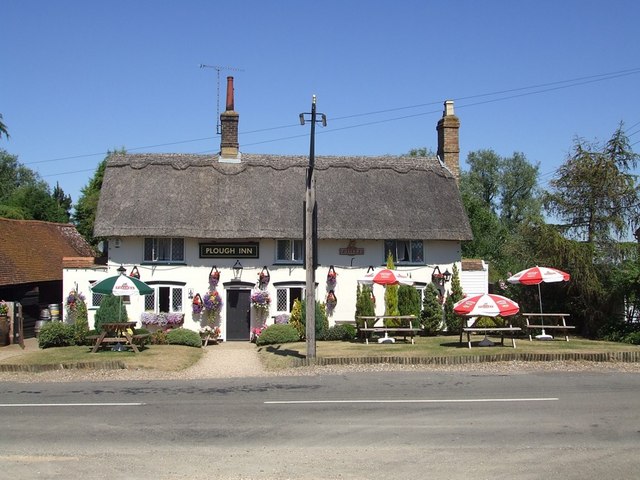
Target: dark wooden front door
x,y
238,314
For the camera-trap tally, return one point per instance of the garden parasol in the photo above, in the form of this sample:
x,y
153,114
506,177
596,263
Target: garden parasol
x,y
386,277
120,286
535,276
486,305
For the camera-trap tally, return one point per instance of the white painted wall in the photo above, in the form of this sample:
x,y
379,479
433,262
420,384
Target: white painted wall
x,y
195,274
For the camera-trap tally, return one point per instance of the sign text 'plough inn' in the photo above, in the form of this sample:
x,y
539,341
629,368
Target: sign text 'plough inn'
x,y
229,250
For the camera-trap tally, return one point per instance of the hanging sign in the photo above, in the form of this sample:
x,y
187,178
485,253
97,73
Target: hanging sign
x,y
351,249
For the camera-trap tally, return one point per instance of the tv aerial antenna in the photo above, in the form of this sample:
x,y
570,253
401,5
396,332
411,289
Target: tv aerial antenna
x,y
218,69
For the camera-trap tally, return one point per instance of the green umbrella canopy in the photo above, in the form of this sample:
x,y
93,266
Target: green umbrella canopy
x,y
121,285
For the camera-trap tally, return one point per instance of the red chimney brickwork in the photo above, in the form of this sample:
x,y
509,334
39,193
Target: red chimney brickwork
x,y
229,146
449,140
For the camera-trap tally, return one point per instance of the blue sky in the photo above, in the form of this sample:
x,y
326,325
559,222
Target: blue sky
x,y
80,78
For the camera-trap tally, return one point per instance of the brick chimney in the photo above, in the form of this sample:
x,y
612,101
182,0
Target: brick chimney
x,y
229,146
448,139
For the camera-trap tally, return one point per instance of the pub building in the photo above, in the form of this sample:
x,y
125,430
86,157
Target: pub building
x,y
179,220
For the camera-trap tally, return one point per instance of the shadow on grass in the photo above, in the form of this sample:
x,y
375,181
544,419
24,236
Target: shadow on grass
x,y
284,352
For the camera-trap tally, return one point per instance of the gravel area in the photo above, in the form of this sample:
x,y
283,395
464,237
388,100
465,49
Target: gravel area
x,y
240,359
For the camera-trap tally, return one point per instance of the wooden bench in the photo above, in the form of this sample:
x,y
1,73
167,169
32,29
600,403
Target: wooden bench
x,y
140,337
486,330
558,319
366,331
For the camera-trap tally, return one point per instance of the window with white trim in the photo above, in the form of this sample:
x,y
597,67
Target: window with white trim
x,y
165,298
163,250
291,251
285,296
404,251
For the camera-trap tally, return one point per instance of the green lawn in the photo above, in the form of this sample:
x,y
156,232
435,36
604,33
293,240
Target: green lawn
x,y
176,358
158,357
439,346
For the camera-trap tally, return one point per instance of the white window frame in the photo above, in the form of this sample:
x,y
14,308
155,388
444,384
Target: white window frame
x,y
155,249
155,299
287,289
292,247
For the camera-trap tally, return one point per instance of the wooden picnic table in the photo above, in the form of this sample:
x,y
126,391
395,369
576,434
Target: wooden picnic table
x,y
118,333
370,327
557,321
486,330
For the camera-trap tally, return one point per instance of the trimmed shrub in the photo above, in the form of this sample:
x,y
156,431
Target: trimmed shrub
x,y
159,337
339,332
278,333
184,336
432,313
80,331
488,322
111,310
365,305
56,334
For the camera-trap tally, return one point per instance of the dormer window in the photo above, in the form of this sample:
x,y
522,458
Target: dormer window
x,y
404,251
163,250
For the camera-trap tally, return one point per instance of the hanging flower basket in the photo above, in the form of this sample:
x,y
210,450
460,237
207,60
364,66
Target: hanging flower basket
x,y
135,273
197,305
214,277
264,277
260,300
331,278
73,301
331,302
212,301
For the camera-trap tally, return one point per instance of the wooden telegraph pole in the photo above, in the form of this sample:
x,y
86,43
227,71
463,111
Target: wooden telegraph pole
x,y
310,234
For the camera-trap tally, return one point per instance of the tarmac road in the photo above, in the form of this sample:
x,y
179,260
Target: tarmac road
x,y
361,425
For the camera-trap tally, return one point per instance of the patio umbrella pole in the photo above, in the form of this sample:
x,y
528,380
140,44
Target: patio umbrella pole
x,y
543,335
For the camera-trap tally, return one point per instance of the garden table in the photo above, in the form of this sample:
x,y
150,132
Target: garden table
x,y
118,333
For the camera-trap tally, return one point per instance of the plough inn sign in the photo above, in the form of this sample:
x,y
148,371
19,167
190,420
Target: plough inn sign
x,y
229,250
250,250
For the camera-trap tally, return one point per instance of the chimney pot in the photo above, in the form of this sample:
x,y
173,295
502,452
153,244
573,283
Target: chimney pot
x,y
229,94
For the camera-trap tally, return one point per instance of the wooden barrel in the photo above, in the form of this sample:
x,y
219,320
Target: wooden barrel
x,y
54,310
38,326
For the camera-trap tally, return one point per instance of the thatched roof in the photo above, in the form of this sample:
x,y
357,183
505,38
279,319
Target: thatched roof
x,y
262,197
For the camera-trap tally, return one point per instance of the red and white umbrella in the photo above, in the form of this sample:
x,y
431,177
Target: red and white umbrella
x,y
538,275
386,277
486,305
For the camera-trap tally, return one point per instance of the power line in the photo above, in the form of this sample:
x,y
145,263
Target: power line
x,y
562,84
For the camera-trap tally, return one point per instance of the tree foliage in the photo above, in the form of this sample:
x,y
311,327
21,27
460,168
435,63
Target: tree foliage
x,y
3,128
500,194
25,196
85,210
595,193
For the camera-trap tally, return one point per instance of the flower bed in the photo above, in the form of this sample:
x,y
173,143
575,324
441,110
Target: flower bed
x,y
162,319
